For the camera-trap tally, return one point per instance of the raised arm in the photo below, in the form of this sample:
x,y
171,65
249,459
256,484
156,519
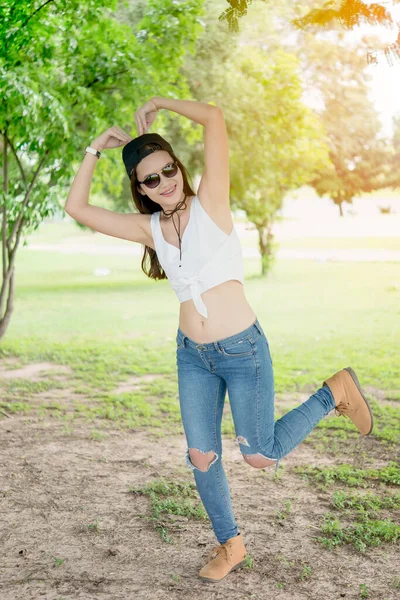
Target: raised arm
x,y
214,185
199,112
127,226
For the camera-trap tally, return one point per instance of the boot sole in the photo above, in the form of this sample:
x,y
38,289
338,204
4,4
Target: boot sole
x,y
209,580
355,379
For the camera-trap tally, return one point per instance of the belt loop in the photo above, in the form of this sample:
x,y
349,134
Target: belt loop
x,y
258,326
181,337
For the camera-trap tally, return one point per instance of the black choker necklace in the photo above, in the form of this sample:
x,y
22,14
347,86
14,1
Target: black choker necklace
x,y
170,213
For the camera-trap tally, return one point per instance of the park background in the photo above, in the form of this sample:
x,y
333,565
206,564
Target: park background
x,y
97,498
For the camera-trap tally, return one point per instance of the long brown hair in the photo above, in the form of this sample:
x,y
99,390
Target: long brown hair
x,y
148,207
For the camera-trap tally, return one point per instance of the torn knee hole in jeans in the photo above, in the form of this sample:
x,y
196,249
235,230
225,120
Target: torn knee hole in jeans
x,y
242,440
191,464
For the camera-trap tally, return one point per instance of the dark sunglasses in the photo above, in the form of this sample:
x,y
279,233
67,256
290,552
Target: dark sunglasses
x,y
153,180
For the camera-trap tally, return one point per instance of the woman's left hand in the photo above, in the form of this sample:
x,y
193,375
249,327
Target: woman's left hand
x,y
144,117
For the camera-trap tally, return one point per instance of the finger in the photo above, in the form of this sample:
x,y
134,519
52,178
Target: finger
x,y
121,136
143,123
121,133
126,136
140,120
137,122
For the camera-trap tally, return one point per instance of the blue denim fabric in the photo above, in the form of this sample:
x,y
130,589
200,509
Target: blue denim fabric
x,y
242,365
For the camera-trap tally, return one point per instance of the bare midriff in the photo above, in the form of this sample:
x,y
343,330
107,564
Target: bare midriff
x,y
228,313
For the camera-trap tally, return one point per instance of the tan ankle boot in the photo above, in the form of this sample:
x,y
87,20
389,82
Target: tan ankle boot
x,y
223,559
350,400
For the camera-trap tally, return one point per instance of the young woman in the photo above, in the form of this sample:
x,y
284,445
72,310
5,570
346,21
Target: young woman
x,y
191,240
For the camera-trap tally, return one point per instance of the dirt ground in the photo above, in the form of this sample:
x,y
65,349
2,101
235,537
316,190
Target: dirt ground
x,y
55,481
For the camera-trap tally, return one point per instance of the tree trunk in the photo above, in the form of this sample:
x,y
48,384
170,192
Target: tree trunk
x,y
341,209
5,319
7,282
265,244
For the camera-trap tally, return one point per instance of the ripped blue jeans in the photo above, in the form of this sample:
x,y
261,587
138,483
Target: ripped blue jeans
x,y
242,365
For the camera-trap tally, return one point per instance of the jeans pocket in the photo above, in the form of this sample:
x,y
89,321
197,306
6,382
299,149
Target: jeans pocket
x,y
239,348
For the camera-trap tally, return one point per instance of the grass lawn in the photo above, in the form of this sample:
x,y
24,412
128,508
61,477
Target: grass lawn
x,y
318,316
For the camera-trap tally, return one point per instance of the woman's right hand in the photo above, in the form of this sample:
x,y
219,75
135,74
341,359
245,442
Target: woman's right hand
x,y
111,138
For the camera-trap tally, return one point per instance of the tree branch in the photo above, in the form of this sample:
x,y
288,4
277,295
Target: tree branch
x,y
26,199
96,79
4,209
36,11
16,158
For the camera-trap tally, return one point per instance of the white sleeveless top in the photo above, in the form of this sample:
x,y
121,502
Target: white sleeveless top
x,y
209,256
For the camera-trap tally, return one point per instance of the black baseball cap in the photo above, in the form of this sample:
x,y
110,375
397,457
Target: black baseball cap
x,y
134,152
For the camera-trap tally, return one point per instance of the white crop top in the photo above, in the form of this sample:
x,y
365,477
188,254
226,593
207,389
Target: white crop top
x,y
209,256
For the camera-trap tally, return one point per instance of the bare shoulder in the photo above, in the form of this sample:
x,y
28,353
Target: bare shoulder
x,y
220,213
